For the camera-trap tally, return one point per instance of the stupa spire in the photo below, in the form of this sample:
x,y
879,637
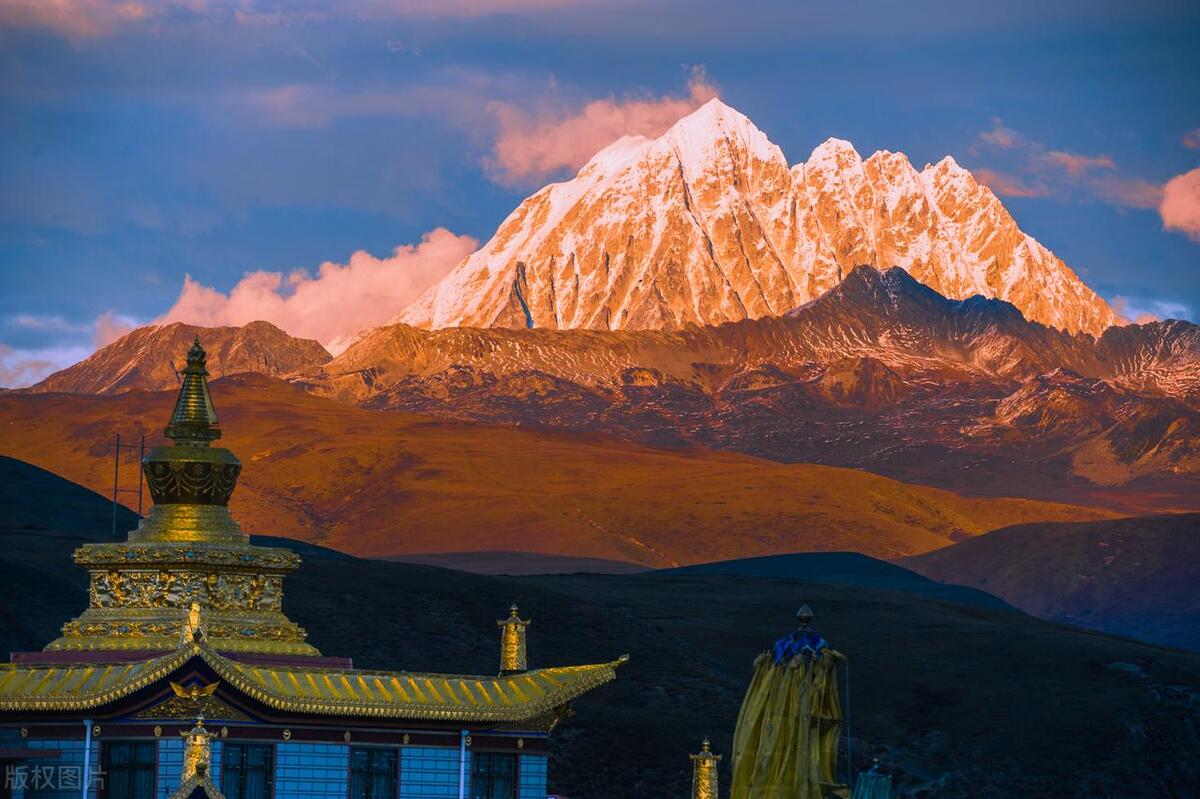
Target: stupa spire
x,y
194,420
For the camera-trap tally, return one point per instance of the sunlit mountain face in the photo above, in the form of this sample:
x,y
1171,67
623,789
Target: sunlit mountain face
x,y
708,224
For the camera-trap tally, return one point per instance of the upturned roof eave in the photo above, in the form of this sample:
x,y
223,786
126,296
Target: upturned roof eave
x,y
526,695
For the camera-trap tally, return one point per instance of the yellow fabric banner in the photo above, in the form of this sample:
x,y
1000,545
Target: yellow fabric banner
x,y
786,742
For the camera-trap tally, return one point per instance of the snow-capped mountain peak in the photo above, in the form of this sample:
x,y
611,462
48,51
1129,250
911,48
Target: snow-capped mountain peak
x,y
708,224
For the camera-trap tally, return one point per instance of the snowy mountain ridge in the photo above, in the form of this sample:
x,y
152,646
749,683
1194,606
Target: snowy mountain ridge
x,y
709,224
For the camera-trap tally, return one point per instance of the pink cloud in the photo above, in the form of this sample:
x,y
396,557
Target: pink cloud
x,y
1038,171
302,106
1000,137
1180,207
338,302
110,326
1008,185
81,19
1142,311
467,8
20,368
1075,164
1128,314
73,18
1126,193
1191,139
533,147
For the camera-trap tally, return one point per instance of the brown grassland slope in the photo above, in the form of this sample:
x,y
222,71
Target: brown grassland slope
x,y
384,483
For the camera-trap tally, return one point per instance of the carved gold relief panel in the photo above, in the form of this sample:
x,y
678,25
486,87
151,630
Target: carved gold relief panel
x,y
176,589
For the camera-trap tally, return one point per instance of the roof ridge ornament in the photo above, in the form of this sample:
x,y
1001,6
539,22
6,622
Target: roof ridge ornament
x,y
513,650
196,775
704,772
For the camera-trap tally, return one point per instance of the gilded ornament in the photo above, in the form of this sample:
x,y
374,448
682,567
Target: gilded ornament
x,y
704,773
157,731
287,735
513,657
194,692
197,751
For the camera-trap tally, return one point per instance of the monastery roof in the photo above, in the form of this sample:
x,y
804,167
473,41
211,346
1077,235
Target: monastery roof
x,y
312,690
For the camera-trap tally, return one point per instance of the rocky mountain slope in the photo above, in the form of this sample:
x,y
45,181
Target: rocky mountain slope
x,y
384,484
1133,577
880,373
708,224
145,359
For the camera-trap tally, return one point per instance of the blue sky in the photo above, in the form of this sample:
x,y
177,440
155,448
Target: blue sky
x,y
214,139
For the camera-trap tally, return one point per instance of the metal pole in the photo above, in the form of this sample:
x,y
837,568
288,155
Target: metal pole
x,y
87,756
462,764
849,745
141,457
116,472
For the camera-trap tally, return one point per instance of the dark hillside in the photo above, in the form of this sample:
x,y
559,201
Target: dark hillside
x,y
955,700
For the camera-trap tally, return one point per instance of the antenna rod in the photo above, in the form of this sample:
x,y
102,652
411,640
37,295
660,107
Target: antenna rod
x,y
141,455
116,471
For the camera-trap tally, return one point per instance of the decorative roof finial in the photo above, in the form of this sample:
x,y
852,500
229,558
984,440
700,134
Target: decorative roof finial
x,y
197,751
804,615
704,772
194,421
512,642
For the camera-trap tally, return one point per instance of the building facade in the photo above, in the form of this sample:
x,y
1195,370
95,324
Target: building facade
x,y
184,642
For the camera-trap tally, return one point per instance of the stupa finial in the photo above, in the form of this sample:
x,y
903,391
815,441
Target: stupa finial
x,y
194,420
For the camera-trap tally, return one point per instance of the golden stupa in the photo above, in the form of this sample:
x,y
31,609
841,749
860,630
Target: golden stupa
x,y
188,552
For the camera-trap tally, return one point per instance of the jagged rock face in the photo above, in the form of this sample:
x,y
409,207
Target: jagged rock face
x,y
143,359
881,372
708,224
873,329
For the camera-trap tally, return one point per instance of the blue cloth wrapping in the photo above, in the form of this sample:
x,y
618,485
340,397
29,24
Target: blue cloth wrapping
x,y
804,641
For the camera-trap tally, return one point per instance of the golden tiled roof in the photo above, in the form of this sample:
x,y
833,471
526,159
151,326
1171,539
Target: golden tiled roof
x,y
79,686
352,692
